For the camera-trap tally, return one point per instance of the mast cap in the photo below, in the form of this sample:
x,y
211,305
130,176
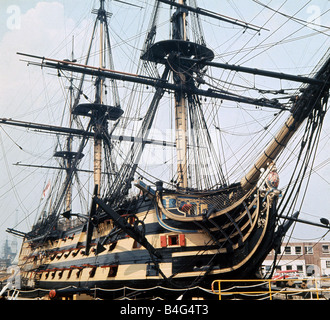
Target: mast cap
x,y
159,51
68,154
91,109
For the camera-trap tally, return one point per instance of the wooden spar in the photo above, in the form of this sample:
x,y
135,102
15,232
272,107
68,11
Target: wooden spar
x,y
310,99
79,132
68,200
121,223
181,116
294,218
99,99
214,15
181,141
67,62
271,152
255,71
53,167
266,73
155,82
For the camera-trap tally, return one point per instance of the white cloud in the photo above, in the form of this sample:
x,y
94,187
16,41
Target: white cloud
x,y
42,29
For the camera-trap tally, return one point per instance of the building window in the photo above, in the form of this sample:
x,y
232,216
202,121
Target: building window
x,y
297,250
325,248
288,267
300,268
327,264
287,250
308,250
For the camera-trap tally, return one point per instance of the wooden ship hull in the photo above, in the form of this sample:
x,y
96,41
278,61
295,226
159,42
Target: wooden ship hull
x,y
230,243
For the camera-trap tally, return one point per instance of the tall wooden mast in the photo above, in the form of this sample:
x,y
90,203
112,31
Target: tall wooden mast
x,y
179,33
67,154
68,200
98,99
99,112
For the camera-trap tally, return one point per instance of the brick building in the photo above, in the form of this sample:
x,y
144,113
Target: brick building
x,y
309,258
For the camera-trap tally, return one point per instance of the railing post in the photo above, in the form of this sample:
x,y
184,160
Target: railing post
x,y
316,289
219,284
213,289
270,290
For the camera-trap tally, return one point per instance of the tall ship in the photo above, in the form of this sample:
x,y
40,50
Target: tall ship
x,y
185,215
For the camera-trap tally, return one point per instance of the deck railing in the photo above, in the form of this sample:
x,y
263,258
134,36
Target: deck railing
x,y
261,289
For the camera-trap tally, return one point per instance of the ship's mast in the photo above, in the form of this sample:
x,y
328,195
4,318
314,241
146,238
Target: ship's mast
x,y
98,99
67,154
68,199
179,33
99,112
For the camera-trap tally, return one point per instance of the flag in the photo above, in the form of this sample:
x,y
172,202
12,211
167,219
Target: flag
x,y
46,190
